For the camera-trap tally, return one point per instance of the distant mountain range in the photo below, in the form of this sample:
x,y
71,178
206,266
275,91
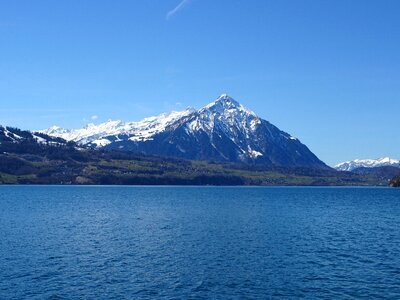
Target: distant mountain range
x,y
222,131
36,158
367,163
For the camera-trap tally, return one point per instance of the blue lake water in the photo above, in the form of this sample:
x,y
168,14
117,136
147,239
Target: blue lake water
x,y
66,242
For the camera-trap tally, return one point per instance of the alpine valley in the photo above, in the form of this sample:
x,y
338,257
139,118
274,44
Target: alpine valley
x,y
223,143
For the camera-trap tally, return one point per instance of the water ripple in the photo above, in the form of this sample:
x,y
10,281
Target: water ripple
x,y
199,243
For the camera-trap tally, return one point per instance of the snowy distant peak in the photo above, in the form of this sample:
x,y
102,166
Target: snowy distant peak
x,y
224,109
224,103
367,163
148,127
166,118
139,131
86,134
226,114
55,130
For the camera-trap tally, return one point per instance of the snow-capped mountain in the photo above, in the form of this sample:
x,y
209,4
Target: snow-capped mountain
x,y
224,130
367,163
101,135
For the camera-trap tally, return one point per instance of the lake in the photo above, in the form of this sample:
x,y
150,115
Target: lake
x,y
91,242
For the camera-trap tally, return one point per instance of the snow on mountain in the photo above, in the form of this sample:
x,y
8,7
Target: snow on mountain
x,y
367,163
16,136
97,134
10,136
223,130
224,110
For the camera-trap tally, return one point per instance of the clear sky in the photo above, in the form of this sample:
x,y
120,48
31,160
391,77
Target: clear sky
x,y
325,71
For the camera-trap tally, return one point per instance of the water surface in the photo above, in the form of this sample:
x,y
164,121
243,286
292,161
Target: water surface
x,y
71,242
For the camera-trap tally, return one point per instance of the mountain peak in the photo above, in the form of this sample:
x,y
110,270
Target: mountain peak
x,y
367,163
223,130
226,103
225,97
227,100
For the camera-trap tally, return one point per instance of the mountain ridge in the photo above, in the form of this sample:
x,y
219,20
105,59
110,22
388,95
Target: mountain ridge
x,y
367,163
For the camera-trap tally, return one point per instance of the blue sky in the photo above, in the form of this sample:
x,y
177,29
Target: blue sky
x,y
327,72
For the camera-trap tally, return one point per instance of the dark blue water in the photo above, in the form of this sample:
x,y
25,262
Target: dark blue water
x,y
198,242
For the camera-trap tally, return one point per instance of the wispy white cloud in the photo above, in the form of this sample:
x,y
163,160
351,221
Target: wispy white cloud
x,y
178,8
92,118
